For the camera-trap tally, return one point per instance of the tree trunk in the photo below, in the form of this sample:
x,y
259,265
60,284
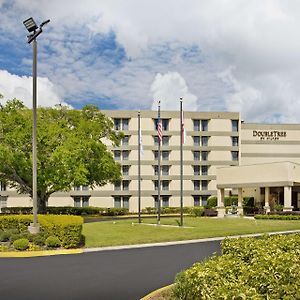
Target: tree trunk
x,y
41,203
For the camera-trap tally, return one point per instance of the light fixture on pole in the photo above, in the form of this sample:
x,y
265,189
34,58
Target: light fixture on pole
x,y
34,31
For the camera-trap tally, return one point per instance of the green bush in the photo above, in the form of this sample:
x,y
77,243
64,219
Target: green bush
x,y
21,244
277,217
249,268
4,236
197,211
212,201
52,242
40,238
248,201
66,228
230,200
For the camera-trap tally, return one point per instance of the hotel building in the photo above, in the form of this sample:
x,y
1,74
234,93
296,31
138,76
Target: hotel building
x,y
217,147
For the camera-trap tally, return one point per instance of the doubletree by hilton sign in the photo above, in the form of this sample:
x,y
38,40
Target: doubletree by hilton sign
x,y
271,135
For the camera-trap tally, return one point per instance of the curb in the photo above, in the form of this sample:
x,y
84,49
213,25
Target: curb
x,y
154,293
39,253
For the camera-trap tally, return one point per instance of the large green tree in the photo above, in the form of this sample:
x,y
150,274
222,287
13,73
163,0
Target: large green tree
x,y
71,149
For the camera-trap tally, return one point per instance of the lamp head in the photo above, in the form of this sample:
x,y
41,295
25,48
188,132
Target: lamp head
x,y
30,25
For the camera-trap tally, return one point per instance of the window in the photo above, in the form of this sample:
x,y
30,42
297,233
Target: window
x,y
165,155
125,155
235,125
155,182
204,141
117,154
81,188
117,186
155,202
125,170
85,201
125,185
196,155
165,201
117,123
204,170
165,185
235,155
81,201
125,140
2,186
165,124
196,125
204,155
155,140
196,200
117,202
165,170
196,170
3,201
125,123
204,185
121,202
196,185
77,188
165,140
85,187
204,199
235,141
126,202
196,140
155,153
76,201
204,125
155,170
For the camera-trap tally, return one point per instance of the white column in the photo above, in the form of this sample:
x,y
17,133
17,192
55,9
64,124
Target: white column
x,y
240,201
288,198
221,208
267,199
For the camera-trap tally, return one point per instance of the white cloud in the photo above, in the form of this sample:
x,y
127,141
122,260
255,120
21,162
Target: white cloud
x,y
20,87
256,40
168,89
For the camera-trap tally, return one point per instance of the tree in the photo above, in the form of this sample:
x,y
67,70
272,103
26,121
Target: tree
x,y
71,149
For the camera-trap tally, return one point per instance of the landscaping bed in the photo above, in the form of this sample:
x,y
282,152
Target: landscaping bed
x,y
56,232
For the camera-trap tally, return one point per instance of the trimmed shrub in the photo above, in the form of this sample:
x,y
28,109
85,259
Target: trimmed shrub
x,y
4,236
212,201
249,268
52,242
248,201
197,211
278,217
66,228
21,244
40,238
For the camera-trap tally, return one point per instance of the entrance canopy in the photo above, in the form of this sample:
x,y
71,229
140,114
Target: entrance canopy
x,y
259,175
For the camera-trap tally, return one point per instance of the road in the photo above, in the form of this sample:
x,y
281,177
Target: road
x,y
109,275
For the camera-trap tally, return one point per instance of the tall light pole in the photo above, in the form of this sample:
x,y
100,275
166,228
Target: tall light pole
x,y
34,32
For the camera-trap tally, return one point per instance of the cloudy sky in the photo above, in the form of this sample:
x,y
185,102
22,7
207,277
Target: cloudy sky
x,y
219,55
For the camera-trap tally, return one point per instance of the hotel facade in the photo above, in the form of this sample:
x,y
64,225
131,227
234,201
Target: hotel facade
x,y
221,155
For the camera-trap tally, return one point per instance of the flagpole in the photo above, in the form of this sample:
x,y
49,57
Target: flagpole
x,y
158,168
181,164
139,165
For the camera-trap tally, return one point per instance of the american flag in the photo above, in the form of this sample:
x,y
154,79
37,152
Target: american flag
x,y
159,125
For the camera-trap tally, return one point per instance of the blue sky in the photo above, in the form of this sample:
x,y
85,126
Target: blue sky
x,y
219,55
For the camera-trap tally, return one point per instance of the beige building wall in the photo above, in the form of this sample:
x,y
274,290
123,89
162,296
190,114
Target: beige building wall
x,y
215,149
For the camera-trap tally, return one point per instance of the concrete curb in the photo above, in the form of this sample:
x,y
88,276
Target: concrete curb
x,y
163,244
39,253
154,293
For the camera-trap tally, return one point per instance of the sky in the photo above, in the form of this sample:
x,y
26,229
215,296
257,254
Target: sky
x,y
218,55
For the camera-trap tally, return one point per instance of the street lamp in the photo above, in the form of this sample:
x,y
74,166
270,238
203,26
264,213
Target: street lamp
x,y
34,31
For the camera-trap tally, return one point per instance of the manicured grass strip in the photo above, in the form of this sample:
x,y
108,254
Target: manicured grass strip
x,y
158,292
123,232
39,253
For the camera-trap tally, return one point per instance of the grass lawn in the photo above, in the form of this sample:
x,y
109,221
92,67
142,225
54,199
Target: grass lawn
x,y
123,232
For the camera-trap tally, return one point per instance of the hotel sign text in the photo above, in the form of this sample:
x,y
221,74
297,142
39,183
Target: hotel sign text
x,y
271,135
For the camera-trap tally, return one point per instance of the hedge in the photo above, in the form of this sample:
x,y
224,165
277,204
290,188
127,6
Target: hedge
x,y
69,210
249,268
66,228
278,217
